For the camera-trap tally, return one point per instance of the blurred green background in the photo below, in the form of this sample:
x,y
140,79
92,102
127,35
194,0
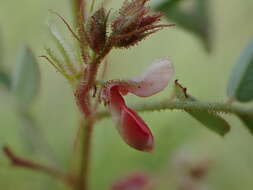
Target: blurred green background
x,y
205,75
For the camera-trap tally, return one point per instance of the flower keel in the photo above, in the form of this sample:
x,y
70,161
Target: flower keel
x,y
135,131
131,127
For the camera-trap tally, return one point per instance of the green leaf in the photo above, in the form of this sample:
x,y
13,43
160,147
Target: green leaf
x,y
210,119
248,122
4,76
240,86
26,78
5,79
195,19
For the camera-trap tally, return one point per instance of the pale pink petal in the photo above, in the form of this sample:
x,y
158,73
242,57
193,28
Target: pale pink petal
x,y
153,80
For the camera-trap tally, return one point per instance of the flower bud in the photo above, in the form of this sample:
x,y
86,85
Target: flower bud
x,y
96,30
134,23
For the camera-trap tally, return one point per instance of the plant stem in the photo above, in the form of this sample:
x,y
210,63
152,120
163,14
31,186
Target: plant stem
x,y
187,106
84,104
88,81
77,5
86,153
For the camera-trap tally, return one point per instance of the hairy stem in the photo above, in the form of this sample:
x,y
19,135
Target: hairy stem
x,y
187,106
88,81
83,101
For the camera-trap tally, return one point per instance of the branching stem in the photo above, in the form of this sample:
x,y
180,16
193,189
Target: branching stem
x,y
21,162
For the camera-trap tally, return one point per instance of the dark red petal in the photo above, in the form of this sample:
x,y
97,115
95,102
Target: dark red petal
x,y
135,131
131,127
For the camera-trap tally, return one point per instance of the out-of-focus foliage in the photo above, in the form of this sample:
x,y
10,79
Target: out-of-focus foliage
x,y
248,121
1,49
194,17
25,82
24,86
4,77
240,86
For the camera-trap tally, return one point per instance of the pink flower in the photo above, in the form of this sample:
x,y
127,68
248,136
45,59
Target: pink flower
x,y
135,181
131,127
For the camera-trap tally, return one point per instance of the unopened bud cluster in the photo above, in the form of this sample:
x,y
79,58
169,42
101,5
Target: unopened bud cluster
x,y
133,23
